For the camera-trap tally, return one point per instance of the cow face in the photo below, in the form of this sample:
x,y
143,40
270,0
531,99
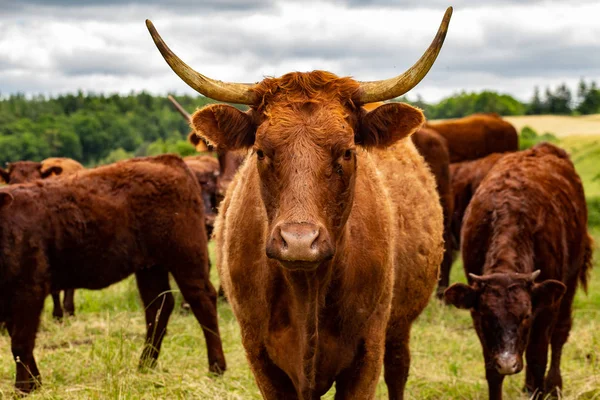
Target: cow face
x,y
305,141
503,307
21,172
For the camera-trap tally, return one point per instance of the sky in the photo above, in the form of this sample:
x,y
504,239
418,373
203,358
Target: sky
x,y
58,46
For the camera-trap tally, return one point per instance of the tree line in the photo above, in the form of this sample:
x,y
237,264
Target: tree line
x,y
97,129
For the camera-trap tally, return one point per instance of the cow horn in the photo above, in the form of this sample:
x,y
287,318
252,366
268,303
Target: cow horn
x,y
239,93
534,275
475,278
179,108
391,88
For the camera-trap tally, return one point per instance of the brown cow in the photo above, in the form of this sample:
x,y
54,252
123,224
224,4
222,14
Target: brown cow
x,y
29,171
465,178
95,228
329,239
525,246
206,170
21,171
59,165
477,135
55,166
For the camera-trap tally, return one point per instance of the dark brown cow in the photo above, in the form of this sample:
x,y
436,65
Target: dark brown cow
x,y
29,171
95,228
476,136
525,247
206,170
329,239
55,166
465,177
21,171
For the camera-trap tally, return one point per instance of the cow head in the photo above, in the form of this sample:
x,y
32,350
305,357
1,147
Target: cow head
x,y
304,130
503,306
22,172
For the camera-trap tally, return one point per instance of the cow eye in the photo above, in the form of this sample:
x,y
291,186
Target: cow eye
x,y
260,154
347,154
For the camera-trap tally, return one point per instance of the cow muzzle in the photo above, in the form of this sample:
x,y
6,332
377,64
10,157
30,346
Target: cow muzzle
x,y
300,245
508,363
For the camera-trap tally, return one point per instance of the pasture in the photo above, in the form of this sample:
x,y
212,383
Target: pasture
x,y
95,354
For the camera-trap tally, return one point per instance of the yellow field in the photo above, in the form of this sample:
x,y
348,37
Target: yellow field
x,y
559,125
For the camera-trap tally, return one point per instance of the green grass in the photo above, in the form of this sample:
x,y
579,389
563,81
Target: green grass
x,y
94,355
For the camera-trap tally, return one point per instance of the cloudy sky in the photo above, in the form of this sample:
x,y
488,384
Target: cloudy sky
x,y
57,46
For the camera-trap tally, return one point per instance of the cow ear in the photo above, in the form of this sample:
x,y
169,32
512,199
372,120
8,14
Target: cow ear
x,y
55,169
548,293
198,142
461,296
5,199
4,175
387,124
224,126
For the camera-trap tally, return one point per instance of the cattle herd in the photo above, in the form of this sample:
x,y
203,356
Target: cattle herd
x,y
338,215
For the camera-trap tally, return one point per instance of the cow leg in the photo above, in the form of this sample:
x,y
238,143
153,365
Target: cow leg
x,y
446,265
57,311
397,363
153,284
200,294
22,326
494,380
69,301
558,340
537,351
359,380
274,383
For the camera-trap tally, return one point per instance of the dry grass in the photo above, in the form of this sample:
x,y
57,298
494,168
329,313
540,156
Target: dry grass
x,y
559,125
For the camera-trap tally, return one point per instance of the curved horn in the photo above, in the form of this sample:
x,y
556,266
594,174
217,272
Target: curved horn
x,y
397,86
475,278
534,275
221,91
179,108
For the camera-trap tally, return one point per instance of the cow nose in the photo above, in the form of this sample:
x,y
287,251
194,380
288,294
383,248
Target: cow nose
x,y
299,243
508,364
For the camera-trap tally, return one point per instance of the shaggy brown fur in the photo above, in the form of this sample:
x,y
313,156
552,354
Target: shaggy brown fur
x,y
55,166
328,252
465,178
29,171
434,149
21,171
206,170
476,136
528,214
95,228
59,165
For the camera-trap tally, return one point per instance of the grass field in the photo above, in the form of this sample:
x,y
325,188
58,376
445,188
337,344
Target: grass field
x,y
94,355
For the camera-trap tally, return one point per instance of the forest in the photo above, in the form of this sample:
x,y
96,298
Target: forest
x,y
97,129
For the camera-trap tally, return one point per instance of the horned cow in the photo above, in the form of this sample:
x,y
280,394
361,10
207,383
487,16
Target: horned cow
x,y
330,236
